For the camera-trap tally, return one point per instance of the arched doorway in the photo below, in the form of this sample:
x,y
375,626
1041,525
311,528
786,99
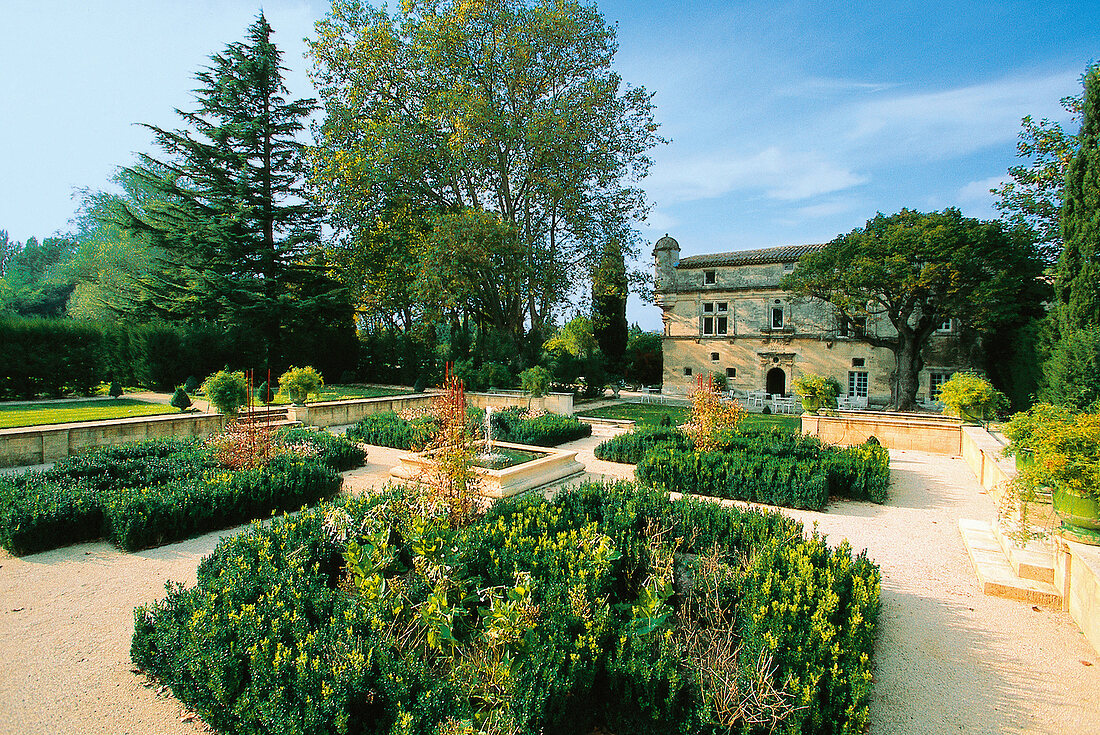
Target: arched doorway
x,y
777,382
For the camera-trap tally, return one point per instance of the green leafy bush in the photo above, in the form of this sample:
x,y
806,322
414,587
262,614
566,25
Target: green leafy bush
x,y
535,381
115,390
192,384
226,391
609,608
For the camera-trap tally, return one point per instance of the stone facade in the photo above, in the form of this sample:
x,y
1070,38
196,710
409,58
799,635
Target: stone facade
x,y
725,313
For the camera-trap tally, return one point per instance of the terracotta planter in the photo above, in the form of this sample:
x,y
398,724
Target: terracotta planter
x,y
1080,515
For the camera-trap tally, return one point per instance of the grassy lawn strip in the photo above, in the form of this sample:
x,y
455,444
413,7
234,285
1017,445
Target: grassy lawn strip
x,y
344,392
65,413
650,414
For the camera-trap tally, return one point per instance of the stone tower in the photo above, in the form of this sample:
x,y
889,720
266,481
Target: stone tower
x,y
666,256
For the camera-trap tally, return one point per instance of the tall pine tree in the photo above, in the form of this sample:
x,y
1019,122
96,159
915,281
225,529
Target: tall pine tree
x,y
227,208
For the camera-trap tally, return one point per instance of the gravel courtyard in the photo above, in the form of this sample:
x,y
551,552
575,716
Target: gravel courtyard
x,y
948,658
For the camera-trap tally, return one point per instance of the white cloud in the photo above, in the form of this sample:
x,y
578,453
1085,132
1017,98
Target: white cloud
x,y
778,174
955,121
831,86
977,192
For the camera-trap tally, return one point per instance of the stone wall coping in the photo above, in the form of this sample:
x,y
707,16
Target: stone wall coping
x,y
155,418
1088,555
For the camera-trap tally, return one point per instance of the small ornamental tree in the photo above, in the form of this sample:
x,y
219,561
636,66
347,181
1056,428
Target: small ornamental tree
x,y
971,397
180,399
264,394
535,382
711,414
226,391
192,384
450,474
300,383
817,391
116,389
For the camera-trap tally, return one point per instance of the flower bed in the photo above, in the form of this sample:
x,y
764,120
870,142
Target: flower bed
x,y
153,492
609,607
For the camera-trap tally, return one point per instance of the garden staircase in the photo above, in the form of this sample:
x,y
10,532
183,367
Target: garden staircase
x,y
275,417
1007,570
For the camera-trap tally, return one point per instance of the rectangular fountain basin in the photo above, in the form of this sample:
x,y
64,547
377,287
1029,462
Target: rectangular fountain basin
x,y
548,467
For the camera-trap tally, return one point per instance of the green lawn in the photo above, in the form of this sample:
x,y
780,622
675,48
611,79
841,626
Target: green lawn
x,y
340,392
650,414
72,411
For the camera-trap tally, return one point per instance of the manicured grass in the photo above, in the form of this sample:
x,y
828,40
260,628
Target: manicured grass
x,y
72,411
650,414
341,392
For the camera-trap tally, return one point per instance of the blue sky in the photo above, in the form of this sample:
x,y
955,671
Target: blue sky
x,y
788,122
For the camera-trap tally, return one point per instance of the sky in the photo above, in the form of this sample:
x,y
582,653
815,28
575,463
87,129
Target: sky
x,y
787,122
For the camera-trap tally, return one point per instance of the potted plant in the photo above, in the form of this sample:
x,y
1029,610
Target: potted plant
x,y
971,397
816,391
1025,429
1066,450
300,383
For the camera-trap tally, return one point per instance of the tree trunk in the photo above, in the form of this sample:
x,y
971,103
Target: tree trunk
x,y
909,363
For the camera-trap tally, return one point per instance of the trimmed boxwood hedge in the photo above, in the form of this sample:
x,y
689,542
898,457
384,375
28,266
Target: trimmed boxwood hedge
x,y
562,616
547,430
773,467
148,493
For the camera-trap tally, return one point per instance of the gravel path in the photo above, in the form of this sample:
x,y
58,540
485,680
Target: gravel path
x,y
948,659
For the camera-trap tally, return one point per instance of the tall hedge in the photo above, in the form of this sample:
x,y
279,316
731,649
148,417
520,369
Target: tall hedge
x,y
49,357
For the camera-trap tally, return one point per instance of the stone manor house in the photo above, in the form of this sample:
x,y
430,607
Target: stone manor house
x,y
725,313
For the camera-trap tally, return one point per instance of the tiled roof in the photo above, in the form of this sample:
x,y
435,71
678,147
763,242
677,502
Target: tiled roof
x,y
785,254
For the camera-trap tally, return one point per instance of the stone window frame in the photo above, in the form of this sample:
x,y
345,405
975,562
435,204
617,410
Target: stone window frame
x,y
714,319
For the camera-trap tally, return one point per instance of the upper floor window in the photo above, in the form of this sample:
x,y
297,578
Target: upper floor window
x,y
710,277
788,266
715,317
777,317
853,327
947,325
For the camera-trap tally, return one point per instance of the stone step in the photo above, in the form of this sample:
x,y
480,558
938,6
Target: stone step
x,y
995,574
1035,560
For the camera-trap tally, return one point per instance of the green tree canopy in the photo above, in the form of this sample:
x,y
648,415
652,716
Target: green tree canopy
x,y
227,211
509,108
915,270
36,277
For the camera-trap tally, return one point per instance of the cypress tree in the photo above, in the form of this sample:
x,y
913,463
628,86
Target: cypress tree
x,y
1077,278
609,294
227,210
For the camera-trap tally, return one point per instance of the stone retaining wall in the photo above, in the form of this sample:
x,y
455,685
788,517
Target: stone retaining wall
x,y
985,457
42,444
922,432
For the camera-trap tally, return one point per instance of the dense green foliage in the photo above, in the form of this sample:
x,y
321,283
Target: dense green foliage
x,y
913,270
610,607
180,399
971,397
154,492
49,357
36,279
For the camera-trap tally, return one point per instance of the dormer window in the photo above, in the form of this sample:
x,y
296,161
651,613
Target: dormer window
x,y
854,327
946,326
710,278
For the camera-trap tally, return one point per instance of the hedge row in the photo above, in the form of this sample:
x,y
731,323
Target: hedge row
x,y
56,356
150,493
631,446
759,478
547,430
566,616
774,468
388,429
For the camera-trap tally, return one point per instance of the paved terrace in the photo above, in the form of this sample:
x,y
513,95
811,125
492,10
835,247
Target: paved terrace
x,y
948,660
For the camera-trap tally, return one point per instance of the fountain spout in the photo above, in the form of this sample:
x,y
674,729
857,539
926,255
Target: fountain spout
x,y
488,430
